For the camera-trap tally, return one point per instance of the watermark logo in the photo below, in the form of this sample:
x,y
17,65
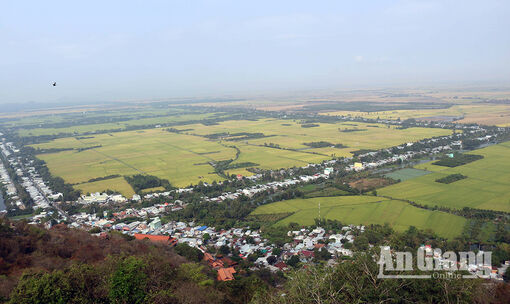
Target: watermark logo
x,y
433,264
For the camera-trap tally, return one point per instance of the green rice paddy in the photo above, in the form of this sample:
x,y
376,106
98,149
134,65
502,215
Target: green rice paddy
x,y
488,185
365,210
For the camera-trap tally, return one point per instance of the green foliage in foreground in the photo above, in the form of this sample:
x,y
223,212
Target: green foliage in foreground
x,y
119,280
191,253
355,281
128,281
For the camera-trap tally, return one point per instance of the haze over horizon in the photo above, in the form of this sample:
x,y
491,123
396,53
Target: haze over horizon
x,y
118,50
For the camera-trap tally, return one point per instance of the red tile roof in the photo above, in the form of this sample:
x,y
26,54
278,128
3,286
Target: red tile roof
x,y
281,265
226,274
307,253
156,238
228,261
208,257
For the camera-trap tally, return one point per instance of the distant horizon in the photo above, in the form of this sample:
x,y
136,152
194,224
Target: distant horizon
x,y
280,95
122,50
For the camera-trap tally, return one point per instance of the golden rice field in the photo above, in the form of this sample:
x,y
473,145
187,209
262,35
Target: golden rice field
x,y
181,159
185,158
486,114
119,184
91,128
289,134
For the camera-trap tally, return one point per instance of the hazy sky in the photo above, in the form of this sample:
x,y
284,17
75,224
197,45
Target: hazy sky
x,y
108,50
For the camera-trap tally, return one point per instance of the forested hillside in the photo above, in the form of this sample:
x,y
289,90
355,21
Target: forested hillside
x,y
64,265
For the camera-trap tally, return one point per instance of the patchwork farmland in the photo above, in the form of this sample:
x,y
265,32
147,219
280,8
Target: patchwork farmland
x,y
464,113
293,134
486,186
188,156
181,159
